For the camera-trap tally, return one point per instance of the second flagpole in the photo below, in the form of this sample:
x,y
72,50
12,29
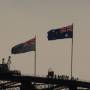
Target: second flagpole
x,y
35,58
72,55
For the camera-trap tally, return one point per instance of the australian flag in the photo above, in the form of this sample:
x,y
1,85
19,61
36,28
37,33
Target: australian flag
x,y
24,47
61,33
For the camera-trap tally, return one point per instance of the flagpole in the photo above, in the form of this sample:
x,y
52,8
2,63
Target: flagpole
x,y
35,58
72,55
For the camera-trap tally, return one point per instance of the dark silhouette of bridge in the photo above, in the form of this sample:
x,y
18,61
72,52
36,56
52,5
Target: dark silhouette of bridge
x,y
29,82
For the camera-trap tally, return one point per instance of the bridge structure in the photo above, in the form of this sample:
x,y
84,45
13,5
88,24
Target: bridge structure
x,y
21,82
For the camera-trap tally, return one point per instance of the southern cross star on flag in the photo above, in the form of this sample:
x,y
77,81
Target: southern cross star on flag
x,y
61,33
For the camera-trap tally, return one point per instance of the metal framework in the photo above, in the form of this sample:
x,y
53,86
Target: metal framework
x,y
20,82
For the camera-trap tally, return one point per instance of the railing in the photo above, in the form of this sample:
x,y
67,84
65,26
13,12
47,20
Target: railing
x,y
46,80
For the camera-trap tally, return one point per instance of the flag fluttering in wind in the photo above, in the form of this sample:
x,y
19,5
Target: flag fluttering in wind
x,y
61,33
24,47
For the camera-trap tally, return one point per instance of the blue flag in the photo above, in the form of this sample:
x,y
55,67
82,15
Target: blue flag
x,y
24,47
61,33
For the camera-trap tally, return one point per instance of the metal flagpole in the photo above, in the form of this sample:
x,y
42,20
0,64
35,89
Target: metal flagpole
x,y
72,54
35,58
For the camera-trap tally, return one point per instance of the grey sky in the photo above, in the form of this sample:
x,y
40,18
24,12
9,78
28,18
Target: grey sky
x,y
20,20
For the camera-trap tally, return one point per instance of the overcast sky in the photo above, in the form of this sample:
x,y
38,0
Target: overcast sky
x,y
21,20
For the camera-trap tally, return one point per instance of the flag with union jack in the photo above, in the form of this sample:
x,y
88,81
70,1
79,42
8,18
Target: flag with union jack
x,y
24,47
61,33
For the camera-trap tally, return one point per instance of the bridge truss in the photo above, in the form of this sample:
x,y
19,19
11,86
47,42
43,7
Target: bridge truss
x,y
20,82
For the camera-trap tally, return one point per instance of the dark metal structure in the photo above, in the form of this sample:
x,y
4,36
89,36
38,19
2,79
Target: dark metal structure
x,y
14,80
30,83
